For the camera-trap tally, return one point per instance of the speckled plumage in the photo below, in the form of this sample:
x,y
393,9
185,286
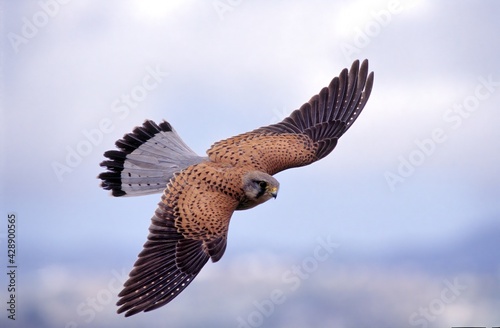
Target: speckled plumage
x,y
191,222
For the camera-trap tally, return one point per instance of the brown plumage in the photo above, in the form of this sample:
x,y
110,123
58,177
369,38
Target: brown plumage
x,y
191,222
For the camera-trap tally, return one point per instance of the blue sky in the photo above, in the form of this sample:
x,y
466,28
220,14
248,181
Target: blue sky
x,y
414,182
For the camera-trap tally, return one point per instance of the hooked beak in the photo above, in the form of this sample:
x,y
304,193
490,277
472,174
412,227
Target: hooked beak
x,y
273,192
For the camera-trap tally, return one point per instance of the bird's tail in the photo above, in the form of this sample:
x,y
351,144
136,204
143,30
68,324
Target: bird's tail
x,y
146,160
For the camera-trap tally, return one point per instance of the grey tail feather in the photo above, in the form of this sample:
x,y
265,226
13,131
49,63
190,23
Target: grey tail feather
x,y
146,160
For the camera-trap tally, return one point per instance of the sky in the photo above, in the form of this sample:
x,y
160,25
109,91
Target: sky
x,y
405,209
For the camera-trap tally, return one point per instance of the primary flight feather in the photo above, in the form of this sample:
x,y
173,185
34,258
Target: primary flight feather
x,y
200,194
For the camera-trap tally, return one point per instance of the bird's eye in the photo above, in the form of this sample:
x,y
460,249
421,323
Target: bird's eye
x,y
263,184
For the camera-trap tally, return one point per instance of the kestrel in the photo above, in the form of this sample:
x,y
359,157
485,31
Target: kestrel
x,y
200,194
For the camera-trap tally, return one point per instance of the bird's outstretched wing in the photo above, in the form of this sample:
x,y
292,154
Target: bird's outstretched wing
x,y
308,134
189,228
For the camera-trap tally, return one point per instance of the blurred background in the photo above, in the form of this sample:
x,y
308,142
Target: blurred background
x,y
398,227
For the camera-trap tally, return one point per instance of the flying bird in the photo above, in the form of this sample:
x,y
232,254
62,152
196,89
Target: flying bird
x,y
200,194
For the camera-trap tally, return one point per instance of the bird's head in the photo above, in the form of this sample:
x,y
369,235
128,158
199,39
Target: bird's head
x,y
260,187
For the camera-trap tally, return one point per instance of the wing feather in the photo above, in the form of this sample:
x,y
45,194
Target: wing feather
x,y
186,231
308,134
